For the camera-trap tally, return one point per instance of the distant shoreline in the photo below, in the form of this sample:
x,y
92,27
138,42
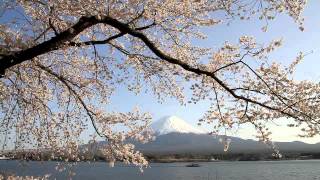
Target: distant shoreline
x,y
170,158
164,160
203,160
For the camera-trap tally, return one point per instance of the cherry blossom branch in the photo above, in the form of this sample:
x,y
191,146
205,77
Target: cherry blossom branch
x,y
281,98
66,36
231,64
76,95
248,89
62,39
218,104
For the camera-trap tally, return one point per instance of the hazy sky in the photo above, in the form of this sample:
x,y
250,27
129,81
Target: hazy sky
x,y
283,27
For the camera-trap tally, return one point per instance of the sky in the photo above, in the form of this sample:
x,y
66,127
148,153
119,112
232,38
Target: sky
x,y
294,41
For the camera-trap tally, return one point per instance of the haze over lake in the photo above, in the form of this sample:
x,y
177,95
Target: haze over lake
x,y
248,170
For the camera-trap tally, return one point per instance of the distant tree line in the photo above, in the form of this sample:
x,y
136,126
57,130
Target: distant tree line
x,y
166,157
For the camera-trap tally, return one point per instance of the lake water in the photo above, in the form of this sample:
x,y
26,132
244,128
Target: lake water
x,y
249,170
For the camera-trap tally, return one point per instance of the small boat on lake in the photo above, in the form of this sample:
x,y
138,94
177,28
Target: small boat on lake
x,y
193,165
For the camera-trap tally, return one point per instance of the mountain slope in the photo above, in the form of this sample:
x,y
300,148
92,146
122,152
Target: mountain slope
x,y
203,143
174,135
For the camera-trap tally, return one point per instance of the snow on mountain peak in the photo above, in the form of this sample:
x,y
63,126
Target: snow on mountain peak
x,y
170,124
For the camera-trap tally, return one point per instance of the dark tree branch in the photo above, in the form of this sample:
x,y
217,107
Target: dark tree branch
x,y
53,28
281,98
197,70
41,34
137,17
218,103
245,111
248,89
87,43
66,36
55,43
75,94
145,27
231,64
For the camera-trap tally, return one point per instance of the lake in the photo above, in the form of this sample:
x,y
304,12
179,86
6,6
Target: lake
x,y
235,170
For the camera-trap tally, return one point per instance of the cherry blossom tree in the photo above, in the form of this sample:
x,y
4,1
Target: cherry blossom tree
x,y
61,61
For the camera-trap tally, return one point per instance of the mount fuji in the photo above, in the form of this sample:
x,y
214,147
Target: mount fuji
x,y
173,124
174,135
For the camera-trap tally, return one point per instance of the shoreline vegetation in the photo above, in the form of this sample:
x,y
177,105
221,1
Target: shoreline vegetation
x,y
167,158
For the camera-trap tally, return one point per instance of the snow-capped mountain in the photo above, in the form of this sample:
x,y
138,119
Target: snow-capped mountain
x,y
175,136
173,124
